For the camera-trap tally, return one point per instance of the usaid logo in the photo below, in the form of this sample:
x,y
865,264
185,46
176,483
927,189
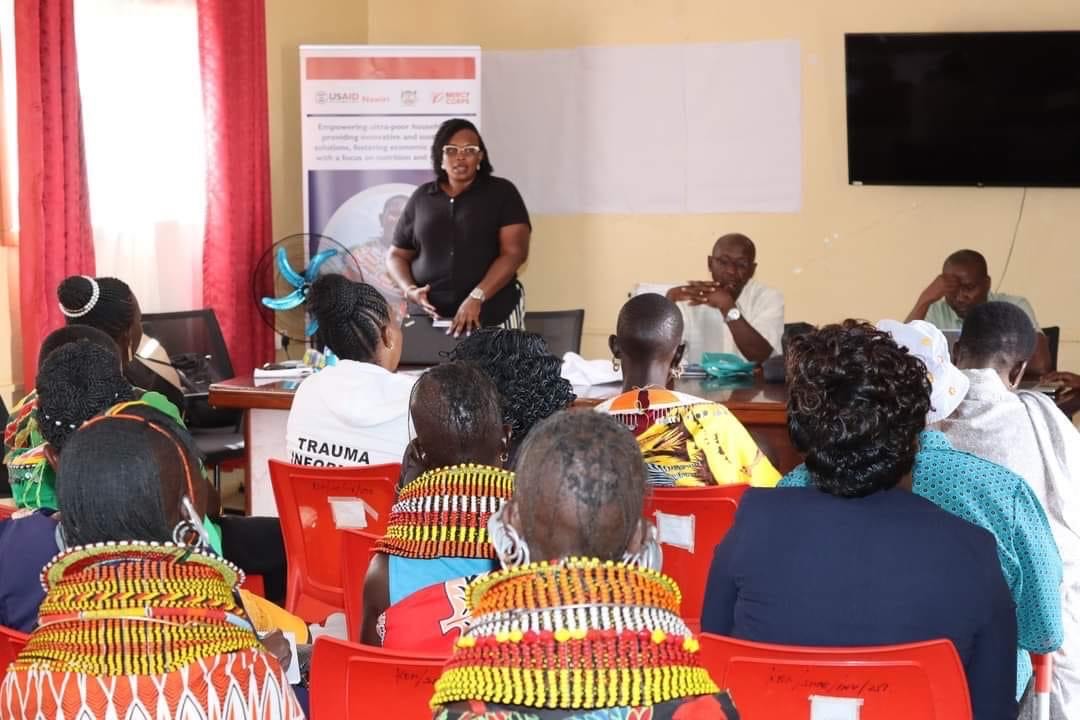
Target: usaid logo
x,y
325,97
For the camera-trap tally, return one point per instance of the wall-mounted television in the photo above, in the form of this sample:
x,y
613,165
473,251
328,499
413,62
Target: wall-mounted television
x,y
997,108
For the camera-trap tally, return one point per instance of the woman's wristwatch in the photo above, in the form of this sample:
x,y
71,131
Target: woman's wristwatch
x,y
478,294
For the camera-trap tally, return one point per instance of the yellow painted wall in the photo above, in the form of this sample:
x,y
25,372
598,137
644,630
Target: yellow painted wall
x,y
289,24
886,243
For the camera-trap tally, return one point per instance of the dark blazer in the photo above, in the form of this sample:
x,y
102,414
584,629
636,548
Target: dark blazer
x,y
27,544
800,567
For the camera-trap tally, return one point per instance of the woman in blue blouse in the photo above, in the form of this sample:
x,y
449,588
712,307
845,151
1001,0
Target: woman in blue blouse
x,y
859,559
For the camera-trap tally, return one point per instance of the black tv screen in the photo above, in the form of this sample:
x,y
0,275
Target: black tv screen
x,y
997,108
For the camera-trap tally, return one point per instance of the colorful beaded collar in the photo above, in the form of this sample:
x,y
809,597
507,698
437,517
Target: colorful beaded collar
x,y
133,608
580,634
445,512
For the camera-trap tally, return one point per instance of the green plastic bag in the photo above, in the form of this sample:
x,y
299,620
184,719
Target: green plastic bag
x,y
726,366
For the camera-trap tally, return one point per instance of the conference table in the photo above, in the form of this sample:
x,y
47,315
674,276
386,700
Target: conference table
x,y
760,406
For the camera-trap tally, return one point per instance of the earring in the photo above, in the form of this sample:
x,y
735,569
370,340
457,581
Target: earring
x,y
676,372
510,547
389,346
616,365
650,556
189,532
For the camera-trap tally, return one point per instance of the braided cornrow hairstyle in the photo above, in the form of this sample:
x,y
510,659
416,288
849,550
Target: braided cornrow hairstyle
x,y
76,382
351,317
528,377
112,313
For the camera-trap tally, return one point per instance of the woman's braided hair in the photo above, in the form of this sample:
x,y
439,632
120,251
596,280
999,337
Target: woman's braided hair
x,y
351,316
76,382
528,377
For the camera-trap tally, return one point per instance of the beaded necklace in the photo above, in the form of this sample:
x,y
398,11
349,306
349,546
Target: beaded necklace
x,y
444,513
135,608
578,634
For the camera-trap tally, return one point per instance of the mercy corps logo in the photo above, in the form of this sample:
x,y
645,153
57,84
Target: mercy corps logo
x,y
324,97
450,98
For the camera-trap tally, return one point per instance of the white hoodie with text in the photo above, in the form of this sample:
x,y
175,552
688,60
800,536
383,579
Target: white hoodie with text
x,y
351,413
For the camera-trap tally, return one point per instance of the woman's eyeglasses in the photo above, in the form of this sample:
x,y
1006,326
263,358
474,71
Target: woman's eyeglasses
x,y
466,150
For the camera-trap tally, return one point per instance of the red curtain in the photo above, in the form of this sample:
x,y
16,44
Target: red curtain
x,y
55,239
232,52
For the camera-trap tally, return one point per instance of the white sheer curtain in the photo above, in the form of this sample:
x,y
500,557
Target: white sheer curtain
x,y
145,151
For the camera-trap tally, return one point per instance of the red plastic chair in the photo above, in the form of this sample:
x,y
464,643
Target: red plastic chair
x,y
359,681
6,511
255,585
735,492
11,643
922,680
689,567
357,547
312,540
1044,672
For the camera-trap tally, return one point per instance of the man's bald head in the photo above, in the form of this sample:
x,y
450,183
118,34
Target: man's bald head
x,y
580,487
733,262
733,241
970,281
969,259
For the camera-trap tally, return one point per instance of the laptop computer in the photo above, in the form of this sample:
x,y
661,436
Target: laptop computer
x,y
425,345
951,336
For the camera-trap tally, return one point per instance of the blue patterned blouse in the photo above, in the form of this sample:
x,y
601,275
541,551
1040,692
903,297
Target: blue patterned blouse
x,y
998,500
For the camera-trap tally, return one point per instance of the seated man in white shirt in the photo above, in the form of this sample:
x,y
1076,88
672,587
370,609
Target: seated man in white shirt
x,y
732,313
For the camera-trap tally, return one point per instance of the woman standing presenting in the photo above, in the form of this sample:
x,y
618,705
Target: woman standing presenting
x,y
462,237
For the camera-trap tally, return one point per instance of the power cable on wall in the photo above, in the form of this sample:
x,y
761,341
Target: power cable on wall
x,y
1012,245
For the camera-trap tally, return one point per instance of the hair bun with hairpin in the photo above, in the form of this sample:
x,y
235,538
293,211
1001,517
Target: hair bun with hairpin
x,y
78,295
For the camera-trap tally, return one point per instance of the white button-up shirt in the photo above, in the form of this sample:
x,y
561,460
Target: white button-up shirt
x,y
706,329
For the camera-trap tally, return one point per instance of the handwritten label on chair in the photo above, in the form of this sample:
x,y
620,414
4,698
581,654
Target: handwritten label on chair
x,y
823,707
675,530
351,513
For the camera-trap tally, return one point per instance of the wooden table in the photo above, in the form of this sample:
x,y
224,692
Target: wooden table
x,y
266,412
760,406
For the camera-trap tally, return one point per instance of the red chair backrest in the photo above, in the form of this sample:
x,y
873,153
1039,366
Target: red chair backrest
x,y
254,584
922,680
358,681
734,492
712,518
11,643
356,549
312,539
6,511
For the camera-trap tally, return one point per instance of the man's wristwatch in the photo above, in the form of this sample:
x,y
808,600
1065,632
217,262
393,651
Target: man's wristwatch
x,y
477,294
732,315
